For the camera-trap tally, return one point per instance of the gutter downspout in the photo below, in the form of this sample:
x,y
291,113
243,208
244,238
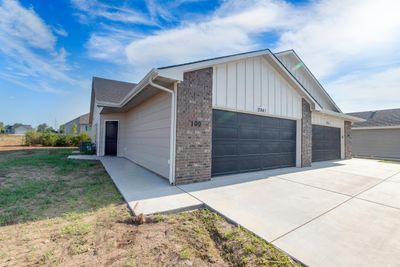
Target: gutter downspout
x,y
173,127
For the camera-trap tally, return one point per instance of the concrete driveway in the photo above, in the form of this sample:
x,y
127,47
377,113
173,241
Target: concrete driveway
x,y
343,213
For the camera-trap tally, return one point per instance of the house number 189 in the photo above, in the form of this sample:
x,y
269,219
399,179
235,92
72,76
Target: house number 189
x,y
195,123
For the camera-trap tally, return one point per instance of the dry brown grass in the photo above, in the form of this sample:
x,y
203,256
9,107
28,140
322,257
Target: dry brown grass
x,y
7,140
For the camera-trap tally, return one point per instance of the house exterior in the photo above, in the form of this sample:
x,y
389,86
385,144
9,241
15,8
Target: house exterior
x,y
233,114
379,135
19,129
81,122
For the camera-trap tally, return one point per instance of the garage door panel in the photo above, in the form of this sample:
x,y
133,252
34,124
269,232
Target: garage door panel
x,y
225,165
287,146
270,134
249,163
287,134
270,147
325,143
249,147
248,121
260,143
249,133
225,133
225,118
270,123
289,124
225,148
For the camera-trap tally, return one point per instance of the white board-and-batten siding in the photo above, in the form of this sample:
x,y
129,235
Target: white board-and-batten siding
x,y
253,85
301,74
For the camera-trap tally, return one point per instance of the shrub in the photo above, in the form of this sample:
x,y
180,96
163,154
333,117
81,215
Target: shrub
x,y
33,138
64,140
80,137
49,139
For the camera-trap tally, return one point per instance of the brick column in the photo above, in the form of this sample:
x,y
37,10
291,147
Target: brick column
x,y
306,134
348,149
193,127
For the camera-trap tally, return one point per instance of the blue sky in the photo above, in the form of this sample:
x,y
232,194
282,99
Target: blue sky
x,y
50,49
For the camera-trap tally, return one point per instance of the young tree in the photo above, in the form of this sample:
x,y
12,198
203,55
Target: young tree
x,y
42,128
2,128
74,129
62,129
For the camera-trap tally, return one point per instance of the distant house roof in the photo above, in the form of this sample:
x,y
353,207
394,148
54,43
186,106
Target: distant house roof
x,y
377,118
111,91
84,119
27,126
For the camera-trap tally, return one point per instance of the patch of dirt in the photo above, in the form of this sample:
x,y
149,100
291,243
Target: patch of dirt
x,y
110,237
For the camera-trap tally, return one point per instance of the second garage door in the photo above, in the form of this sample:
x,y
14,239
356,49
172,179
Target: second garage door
x,y
245,142
325,143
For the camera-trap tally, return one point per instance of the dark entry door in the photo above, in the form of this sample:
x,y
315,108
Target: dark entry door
x,y
325,143
245,142
111,138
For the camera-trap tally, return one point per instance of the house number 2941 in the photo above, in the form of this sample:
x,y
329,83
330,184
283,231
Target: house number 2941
x,y
195,123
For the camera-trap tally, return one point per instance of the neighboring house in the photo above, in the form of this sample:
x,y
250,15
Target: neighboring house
x,y
82,124
379,135
233,114
19,129
8,129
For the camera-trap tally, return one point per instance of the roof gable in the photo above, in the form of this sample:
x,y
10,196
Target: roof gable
x,y
111,91
176,71
298,69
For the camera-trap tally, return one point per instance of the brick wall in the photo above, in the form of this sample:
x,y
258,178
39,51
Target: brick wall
x,y
193,141
348,149
306,134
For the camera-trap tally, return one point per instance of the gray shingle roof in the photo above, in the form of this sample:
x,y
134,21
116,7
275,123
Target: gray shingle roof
x,y
111,91
84,119
378,118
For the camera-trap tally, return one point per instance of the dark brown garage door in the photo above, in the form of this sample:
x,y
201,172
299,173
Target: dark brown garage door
x,y
244,143
325,143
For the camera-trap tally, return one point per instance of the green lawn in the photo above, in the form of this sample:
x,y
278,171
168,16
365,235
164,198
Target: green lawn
x,y
42,183
59,212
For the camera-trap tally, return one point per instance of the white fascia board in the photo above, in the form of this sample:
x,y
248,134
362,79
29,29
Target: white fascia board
x,y
292,52
376,127
340,115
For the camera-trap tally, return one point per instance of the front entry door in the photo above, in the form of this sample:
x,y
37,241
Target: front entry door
x,y
111,138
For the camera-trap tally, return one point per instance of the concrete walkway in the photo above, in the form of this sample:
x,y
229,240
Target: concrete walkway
x,y
144,191
338,213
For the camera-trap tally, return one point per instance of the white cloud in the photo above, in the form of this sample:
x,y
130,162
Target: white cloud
x,y
331,35
367,91
228,30
59,30
110,44
23,25
339,40
93,8
28,49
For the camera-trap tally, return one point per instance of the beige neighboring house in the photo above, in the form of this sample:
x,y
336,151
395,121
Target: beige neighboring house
x,y
81,122
233,114
378,136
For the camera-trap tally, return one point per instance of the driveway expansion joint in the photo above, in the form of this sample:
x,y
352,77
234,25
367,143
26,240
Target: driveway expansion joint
x,y
340,204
